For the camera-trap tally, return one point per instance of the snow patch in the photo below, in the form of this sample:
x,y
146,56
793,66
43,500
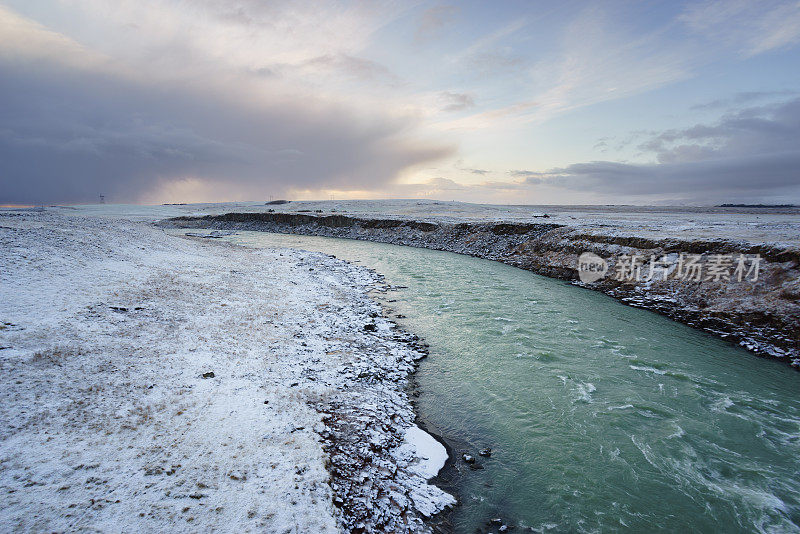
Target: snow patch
x,y
429,455
425,457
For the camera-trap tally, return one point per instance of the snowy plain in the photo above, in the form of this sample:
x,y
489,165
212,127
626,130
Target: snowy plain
x,y
158,383
773,226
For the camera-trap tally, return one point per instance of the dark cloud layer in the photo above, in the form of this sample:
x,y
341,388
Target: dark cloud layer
x,y
753,174
68,136
752,153
757,130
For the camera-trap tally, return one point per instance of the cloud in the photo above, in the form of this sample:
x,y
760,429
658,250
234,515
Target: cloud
x,y
25,40
446,188
514,113
602,144
77,124
231,99
753,153
520,173
445,184
595,60
772,128
433,20
740,99
485,56
67,138
754,174
602,60
752,28
600,57
356,67
456,101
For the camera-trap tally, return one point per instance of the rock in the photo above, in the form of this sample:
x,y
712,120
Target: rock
x,y
370,327
209,374
468,458
497,522
486,452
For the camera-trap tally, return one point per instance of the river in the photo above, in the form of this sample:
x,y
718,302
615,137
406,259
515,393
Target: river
x,y
600,417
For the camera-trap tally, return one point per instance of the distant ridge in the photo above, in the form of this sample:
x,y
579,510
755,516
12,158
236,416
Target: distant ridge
x,y
756,206
276,202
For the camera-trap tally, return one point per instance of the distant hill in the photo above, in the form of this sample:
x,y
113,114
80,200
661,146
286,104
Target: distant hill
x,y
756,206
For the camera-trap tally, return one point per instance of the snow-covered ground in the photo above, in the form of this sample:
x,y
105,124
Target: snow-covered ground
x,y
775,226
780,226
159,383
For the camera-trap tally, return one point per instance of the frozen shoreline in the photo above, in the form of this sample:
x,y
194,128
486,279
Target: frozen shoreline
x,y
111,416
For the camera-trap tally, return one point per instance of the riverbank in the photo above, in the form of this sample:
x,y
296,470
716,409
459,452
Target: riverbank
x,y
569,387
762,314
168,384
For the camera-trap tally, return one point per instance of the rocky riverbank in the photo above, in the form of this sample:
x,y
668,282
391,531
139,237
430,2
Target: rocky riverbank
x,y
757,307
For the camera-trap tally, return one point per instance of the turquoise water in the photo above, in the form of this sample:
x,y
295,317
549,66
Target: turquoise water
x,y
602,417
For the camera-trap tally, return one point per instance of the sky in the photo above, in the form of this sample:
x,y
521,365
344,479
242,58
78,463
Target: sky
x,y
518,102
